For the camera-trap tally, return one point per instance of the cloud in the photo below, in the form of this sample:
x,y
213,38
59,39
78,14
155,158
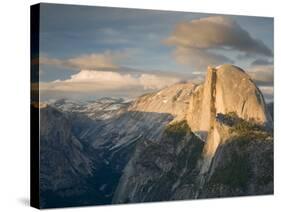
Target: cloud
x,y
267,89
262,74
201,37
197,58
261,62
93,61
89,81
198,73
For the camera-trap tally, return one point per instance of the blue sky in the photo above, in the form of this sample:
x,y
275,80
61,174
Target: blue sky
x,y
133,43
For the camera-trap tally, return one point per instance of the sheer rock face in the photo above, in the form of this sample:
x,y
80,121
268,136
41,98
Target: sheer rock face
x,y
157,169
60,151
240,167
226,89
65,164
236,92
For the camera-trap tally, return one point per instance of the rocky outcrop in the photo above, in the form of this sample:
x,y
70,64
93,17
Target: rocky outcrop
x,y
241,166
60,150
242,163
66,164
157,168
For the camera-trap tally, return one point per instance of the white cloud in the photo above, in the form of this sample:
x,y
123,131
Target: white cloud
x,y
150,81
95,61
99,81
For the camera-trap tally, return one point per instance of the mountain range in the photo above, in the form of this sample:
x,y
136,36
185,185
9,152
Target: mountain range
x,y
186,141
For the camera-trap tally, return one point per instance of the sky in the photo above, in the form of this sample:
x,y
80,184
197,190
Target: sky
x,y
91,52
